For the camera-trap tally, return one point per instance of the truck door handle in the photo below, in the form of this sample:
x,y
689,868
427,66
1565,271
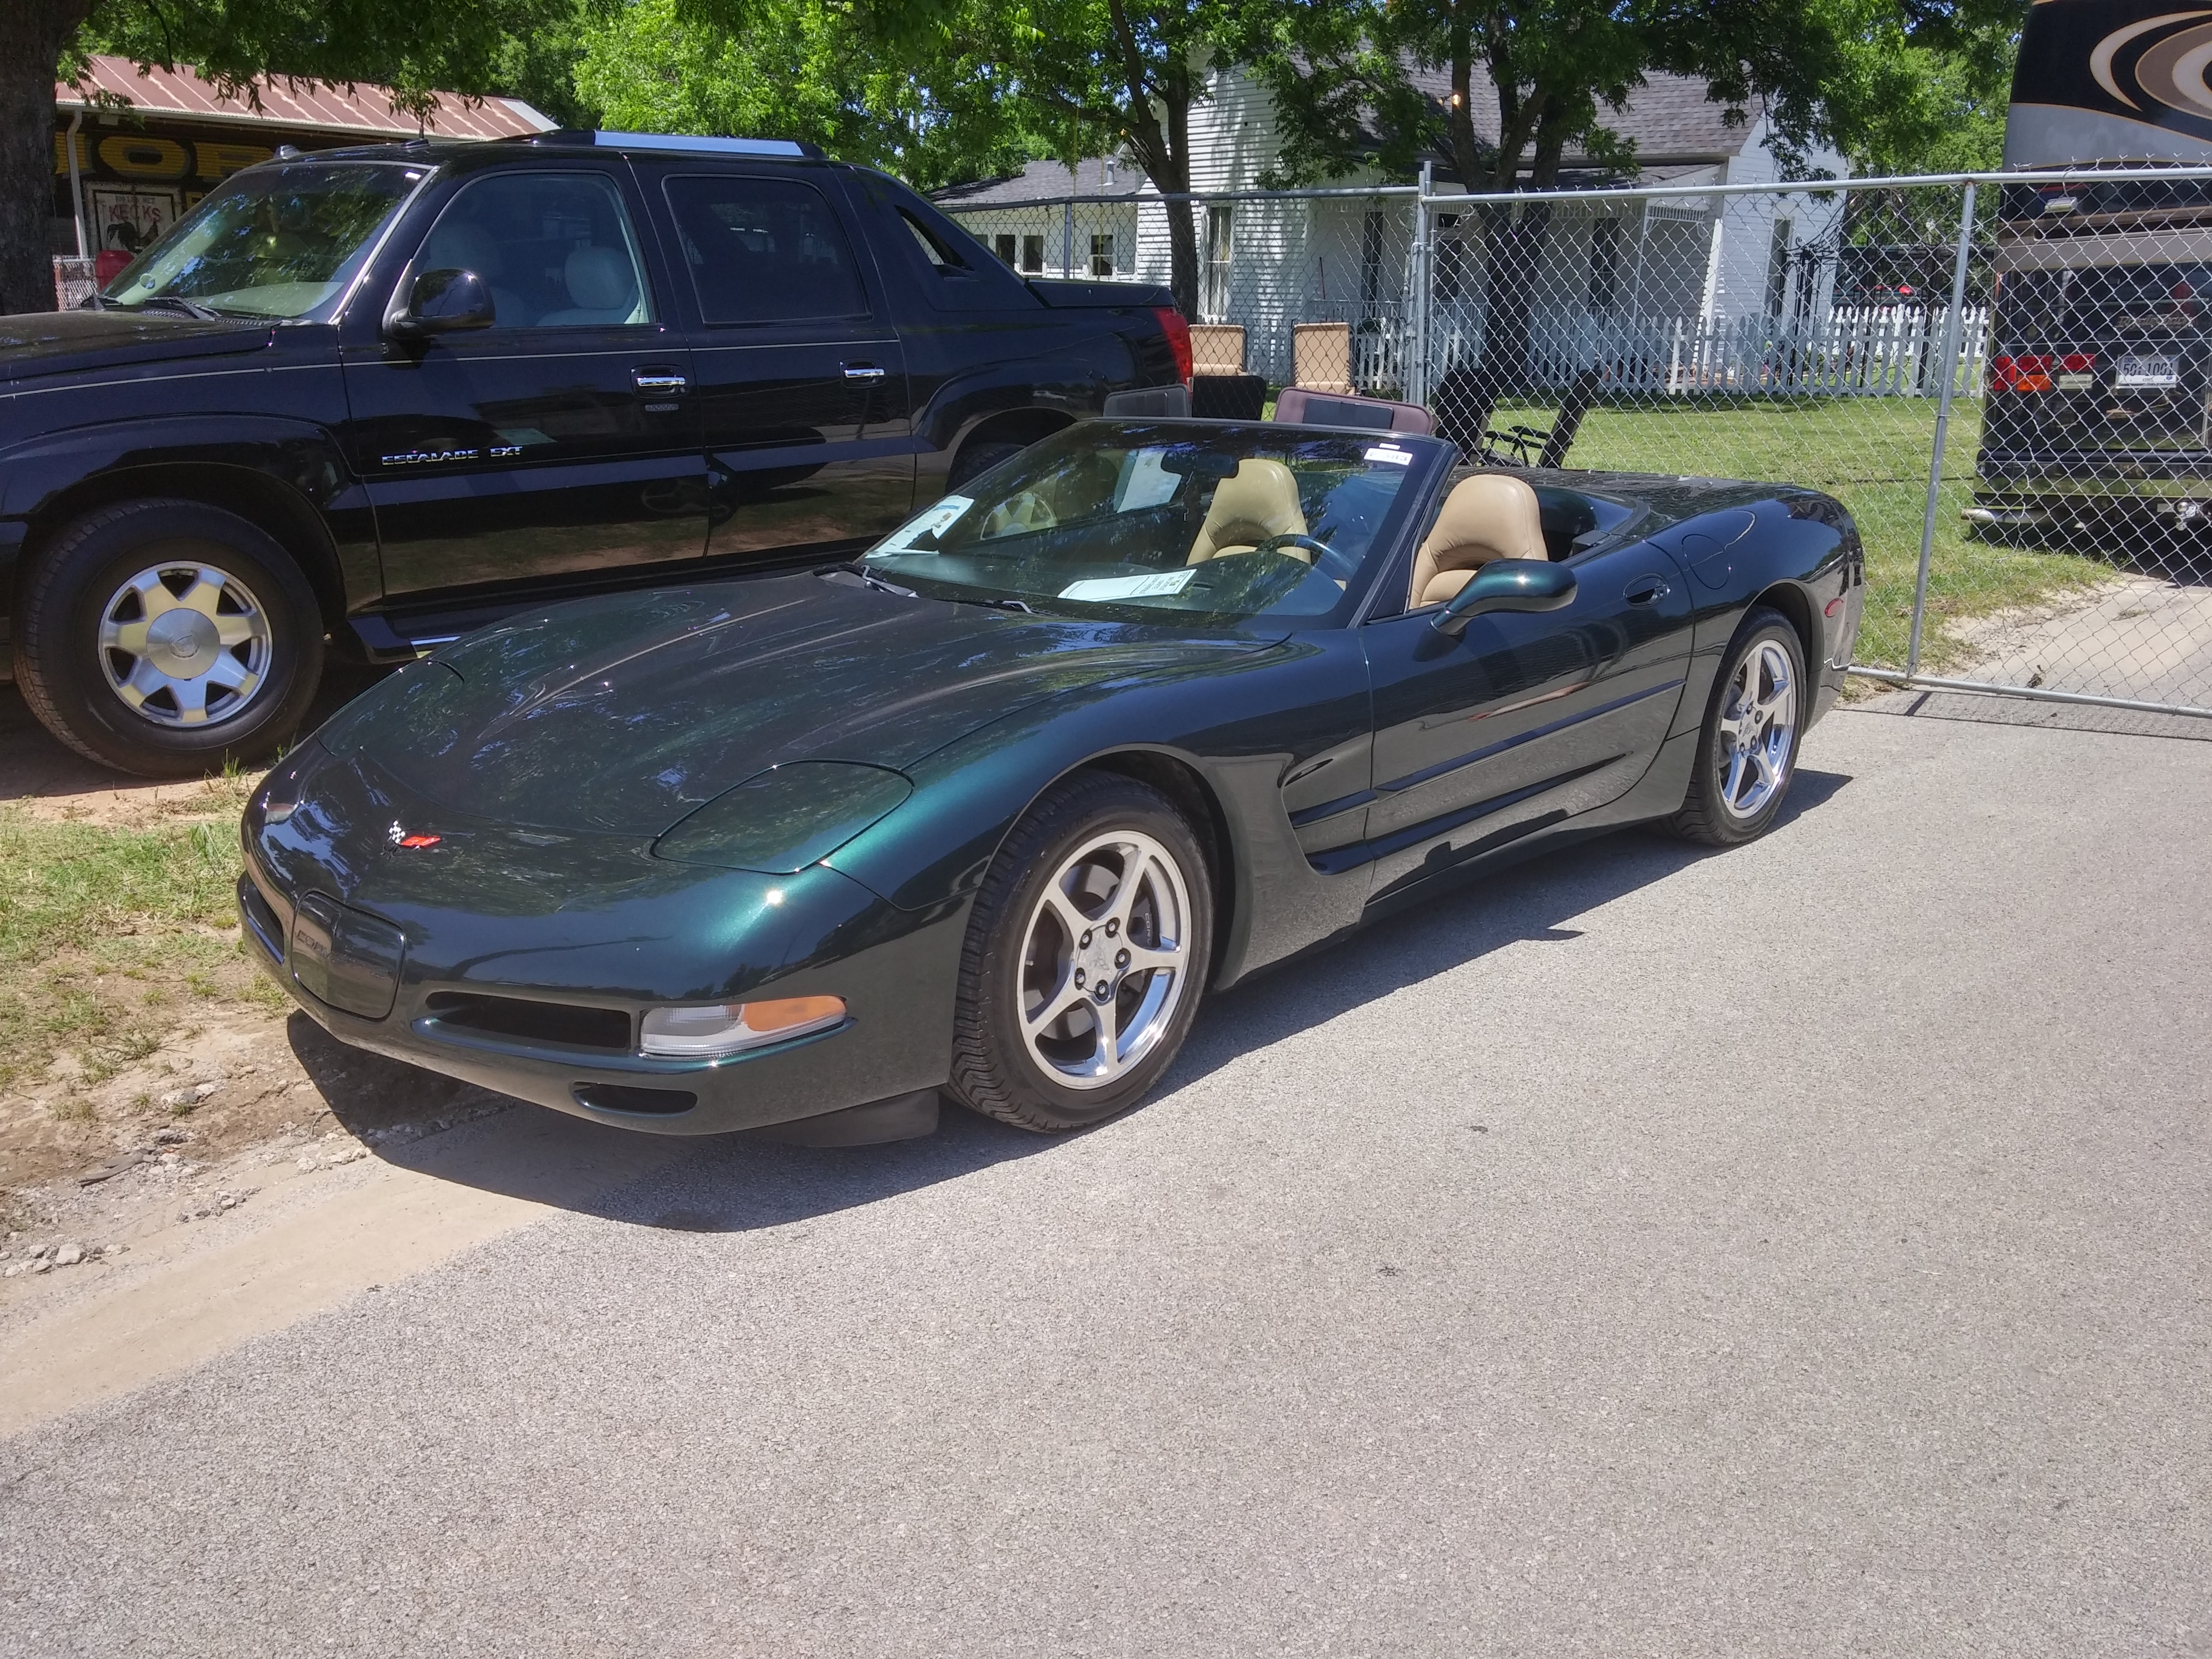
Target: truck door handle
x,y
1644,589
658,382
863,372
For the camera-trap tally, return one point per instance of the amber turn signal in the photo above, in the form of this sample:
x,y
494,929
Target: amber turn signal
x,y
730,1028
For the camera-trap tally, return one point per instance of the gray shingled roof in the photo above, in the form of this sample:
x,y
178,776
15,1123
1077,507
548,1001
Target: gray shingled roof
x,y
1669,117
1046,181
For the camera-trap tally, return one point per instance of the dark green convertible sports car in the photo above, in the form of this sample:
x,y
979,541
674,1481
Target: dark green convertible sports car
x,y
1144,709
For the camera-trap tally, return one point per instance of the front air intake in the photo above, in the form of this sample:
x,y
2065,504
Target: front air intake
x,y
628,1098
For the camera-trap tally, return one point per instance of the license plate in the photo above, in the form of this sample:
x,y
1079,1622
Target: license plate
x,y
2136,372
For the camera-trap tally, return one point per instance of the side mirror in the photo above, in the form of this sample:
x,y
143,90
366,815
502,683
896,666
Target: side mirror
x,y
444,302
1507,584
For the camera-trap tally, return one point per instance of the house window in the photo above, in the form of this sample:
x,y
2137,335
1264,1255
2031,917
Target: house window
x,y
1003,245
1778,269
1213,301
1102,255
1032,253
1605,264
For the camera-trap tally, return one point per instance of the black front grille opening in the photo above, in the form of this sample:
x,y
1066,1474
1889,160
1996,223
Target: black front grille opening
x,y
268,931
628,1098
561,1025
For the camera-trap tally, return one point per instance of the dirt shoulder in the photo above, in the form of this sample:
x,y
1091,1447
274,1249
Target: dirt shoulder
x,y
131,1020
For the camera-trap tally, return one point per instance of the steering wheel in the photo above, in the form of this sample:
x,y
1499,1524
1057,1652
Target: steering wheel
x,y
1305,544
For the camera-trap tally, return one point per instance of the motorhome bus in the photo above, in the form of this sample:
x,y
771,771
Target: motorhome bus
x,y
2099,387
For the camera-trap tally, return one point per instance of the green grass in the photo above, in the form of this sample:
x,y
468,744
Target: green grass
x,y
1871,454
107,936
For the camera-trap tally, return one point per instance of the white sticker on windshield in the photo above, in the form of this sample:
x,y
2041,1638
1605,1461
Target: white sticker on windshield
x,y
935,522
1395,457
1129,587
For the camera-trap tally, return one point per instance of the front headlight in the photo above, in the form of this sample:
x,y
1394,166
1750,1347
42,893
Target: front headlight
x,y
730,1028
782,820
278,796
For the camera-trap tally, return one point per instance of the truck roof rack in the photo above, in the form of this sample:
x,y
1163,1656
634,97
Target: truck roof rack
x,y
685,143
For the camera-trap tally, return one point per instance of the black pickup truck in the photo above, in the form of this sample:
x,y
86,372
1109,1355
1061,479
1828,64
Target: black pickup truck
x,y
362,401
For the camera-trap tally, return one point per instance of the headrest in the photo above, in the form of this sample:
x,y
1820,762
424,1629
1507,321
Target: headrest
x,y
1491,515
462,245
600,279
1257,501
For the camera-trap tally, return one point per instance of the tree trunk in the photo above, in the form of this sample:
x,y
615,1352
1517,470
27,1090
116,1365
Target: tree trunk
x,y
1183,256
33,33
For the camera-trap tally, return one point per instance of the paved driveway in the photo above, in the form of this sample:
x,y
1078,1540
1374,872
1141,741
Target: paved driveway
x,y
1799,1251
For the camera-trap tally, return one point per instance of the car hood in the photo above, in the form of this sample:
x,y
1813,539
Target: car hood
x,y
59,342
623,715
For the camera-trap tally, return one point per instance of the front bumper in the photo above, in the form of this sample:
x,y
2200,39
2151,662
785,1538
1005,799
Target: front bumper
x,y
378,953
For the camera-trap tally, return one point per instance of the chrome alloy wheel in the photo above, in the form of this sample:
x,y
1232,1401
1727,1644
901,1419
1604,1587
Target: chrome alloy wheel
x,y
185,644
1104,959
1757,726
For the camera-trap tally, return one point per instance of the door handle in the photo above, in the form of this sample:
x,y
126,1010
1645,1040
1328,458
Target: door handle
x,y
1644,589
863,372
659,382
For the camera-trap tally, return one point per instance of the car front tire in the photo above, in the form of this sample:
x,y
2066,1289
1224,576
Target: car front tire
x,y
163,637
1748,749
1087,951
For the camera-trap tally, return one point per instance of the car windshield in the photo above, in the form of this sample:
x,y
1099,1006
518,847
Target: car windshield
x,y
1145,520
278,242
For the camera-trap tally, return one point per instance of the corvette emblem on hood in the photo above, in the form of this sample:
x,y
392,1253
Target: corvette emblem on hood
x,y
399,836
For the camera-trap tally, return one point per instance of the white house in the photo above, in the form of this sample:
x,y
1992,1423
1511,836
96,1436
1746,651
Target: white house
x,y
1611,270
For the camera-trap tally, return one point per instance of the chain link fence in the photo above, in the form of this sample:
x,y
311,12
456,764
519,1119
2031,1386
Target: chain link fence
x,y
2007,379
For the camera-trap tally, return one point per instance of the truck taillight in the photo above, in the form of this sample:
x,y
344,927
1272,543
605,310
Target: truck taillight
x,y
1177,327
2033,373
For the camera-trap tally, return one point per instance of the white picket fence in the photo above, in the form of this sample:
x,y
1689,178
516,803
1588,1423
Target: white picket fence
x,y
1870,351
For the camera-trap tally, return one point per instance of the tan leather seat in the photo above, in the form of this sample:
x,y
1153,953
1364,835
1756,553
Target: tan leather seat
x,y
1257,501
1491,515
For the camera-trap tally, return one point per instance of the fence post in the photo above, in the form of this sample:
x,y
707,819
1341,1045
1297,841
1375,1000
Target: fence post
x,y
1950,371
1417,279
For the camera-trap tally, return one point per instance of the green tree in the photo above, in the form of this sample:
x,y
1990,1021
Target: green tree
x,y
918,100
417,51
1134,71
1925,89
1552,71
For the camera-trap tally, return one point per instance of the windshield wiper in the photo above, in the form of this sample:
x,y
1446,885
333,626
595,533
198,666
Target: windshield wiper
x,y
998,603
872,579
190,307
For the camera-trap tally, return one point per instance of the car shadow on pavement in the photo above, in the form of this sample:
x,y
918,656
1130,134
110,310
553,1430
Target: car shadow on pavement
x,y
733,1184
1527,900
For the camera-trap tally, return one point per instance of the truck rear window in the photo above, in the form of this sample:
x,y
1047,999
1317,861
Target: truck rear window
x,y
2103,302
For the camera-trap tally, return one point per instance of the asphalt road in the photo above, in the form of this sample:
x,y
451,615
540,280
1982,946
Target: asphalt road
x,y
1797,1251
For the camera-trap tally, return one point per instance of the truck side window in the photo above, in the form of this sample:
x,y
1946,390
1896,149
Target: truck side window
x,y
764,250
555,248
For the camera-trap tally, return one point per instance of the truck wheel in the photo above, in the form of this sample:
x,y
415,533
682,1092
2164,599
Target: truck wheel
x,y
163,637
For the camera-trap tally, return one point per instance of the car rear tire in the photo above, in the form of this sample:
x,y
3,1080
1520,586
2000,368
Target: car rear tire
x,y
1748,749
165,637
1086,954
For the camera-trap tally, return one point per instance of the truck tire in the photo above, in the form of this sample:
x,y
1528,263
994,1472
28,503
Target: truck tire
x,y
165,637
